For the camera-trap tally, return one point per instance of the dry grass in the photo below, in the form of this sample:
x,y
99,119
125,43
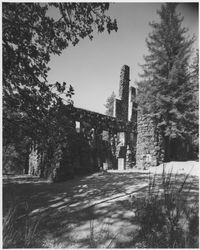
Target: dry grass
x,y
19,231
166,219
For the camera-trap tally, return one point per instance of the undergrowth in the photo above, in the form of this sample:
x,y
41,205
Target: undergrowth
x,y
20,231
164,217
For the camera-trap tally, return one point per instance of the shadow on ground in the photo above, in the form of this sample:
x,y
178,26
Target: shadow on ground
x,y
76,192
90,211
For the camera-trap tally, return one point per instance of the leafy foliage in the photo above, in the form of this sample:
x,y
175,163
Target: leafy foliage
x,y
31,34
194,101
15,157
110,104
165,90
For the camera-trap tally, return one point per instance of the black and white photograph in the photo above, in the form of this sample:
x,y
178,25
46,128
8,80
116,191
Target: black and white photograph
x,y
100,124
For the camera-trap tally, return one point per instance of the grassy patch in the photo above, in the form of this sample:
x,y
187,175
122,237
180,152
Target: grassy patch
x,y
165,217
20,231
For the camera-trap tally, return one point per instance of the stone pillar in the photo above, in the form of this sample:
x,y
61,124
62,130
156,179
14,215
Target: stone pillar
x,y
121,106
121,164
121,149
128,158
149,141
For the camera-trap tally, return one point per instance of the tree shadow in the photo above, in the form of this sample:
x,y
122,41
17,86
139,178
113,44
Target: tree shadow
x,y
81,190
103,199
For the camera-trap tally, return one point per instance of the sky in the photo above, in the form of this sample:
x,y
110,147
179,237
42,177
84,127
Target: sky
x,y
93,67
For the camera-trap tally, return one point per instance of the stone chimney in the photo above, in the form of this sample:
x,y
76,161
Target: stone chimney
x,y
121,110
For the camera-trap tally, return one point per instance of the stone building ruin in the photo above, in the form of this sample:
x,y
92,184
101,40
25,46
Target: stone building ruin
x,y
119,142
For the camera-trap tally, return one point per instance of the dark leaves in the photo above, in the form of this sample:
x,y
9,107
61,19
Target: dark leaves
x,y
30,36
165,88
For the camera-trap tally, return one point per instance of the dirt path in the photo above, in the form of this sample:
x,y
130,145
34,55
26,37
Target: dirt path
x,y
70,211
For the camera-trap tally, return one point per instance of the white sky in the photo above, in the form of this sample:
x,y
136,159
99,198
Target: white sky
x,y
93,67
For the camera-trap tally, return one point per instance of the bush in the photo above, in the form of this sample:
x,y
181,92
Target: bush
x,y
15,158
165,219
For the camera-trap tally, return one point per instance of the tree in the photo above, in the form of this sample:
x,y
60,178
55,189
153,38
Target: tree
x,y
165,91
194,77
194,103
110,104
31,34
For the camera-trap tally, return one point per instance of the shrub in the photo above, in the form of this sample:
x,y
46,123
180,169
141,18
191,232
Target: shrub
x,y
193,234
15,158
165,219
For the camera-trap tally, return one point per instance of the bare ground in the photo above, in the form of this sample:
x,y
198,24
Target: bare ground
x,y
101,204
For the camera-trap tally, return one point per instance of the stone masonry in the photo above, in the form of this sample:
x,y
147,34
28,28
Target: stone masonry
x,y
149,142
125,109
121,141
124,93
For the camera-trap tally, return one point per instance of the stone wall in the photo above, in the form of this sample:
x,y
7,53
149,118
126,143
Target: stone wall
x,y
149,142
118,109
125,109
132,109
99,141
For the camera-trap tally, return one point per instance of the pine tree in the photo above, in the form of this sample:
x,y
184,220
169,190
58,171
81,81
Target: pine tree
x,y
110,104
165,90
194,103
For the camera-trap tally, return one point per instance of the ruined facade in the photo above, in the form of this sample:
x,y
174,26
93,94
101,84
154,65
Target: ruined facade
x,y
104,142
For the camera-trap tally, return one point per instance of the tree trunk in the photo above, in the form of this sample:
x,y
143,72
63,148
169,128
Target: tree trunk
x,y
167,148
